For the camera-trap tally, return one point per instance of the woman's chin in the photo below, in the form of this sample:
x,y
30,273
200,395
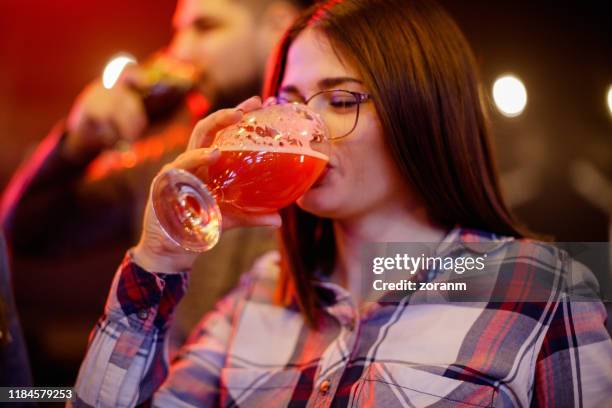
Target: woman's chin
x,y
317,202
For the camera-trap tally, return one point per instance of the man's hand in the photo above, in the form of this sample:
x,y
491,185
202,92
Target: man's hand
x,y
101,117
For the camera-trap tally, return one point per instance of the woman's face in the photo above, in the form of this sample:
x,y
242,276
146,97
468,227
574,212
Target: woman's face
x,y
361,176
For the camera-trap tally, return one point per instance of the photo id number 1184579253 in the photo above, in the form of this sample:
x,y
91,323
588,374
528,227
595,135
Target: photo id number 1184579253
x,y
36,394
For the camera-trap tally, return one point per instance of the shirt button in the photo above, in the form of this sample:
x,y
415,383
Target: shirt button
x,y
350,325
142,314
324,387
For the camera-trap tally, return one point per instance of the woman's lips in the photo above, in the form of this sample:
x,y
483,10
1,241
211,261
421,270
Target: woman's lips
x,y
322,176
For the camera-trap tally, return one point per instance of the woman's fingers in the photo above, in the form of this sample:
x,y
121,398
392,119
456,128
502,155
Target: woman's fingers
x,y
269,220
206,129
234,219
250,104
193,159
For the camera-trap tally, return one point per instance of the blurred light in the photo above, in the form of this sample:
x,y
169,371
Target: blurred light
x,y
114,68
610,99
510,95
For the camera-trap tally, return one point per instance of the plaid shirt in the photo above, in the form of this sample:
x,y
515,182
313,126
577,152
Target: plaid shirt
x,y
251,352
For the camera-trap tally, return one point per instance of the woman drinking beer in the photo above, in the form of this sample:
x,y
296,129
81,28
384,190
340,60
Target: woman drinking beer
x,y
397,86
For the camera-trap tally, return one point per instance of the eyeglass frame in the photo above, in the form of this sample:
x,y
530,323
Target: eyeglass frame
x,y
361,97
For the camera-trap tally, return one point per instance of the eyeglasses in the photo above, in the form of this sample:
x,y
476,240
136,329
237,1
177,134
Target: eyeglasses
x,y
339,108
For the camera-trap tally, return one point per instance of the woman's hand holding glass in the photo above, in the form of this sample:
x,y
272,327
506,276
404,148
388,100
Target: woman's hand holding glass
x,y
155,250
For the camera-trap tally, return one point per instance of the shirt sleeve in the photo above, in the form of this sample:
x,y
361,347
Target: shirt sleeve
x,y
53,190
126,359
574,366
194,376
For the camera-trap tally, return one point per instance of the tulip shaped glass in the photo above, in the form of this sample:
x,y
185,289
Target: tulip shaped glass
x,y
267,161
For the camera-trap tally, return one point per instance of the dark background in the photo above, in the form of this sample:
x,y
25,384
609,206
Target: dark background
x,y
49,50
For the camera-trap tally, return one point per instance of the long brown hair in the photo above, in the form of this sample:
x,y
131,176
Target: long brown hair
x,y
422,75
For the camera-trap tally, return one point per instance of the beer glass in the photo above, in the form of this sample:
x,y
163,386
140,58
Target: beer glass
x,y
267,161
164,84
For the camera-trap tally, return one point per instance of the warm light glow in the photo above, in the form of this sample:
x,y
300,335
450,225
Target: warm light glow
x,y
510,95
610,99
114,68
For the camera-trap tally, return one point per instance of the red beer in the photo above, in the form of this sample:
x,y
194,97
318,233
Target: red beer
x,y
260,182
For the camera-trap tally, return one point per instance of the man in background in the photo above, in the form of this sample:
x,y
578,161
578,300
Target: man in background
x,y
76,204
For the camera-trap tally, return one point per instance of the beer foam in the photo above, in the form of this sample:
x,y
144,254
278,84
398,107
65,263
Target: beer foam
x,y
266,149
289,128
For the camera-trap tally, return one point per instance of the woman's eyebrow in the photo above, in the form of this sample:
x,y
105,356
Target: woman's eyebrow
x,y
327,83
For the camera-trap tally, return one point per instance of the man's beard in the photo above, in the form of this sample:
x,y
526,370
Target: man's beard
x,y
230,97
